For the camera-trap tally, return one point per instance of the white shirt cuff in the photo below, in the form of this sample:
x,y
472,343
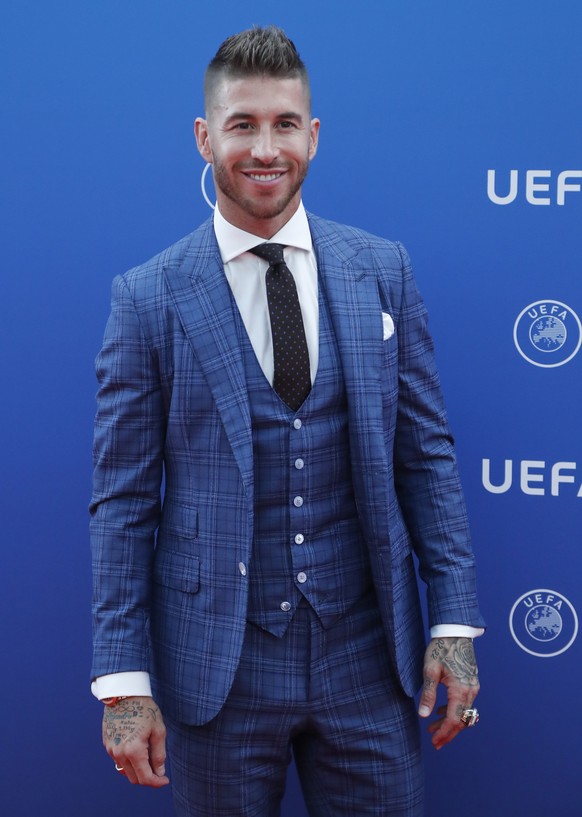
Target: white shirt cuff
x,y
455,631
122,683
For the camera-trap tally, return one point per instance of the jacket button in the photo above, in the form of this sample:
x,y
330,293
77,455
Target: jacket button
x,y
298,501
302,577
242,568
285,606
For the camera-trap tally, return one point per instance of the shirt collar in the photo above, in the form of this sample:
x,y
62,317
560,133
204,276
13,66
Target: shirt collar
x,y
232,241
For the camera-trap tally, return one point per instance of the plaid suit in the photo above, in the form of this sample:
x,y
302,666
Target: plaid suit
x,y
173,404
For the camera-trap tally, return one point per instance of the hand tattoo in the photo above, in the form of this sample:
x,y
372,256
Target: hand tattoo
x,y
125,721
458,655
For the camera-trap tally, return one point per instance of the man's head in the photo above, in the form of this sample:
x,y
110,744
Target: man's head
x,y
257,52
258,133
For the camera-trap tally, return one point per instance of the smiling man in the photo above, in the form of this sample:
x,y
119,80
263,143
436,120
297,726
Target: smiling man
x,y
260,139
275,371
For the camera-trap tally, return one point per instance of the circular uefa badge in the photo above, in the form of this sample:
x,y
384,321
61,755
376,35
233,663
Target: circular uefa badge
x,y
543,623
547,333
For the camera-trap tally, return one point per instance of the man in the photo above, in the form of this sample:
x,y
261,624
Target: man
x,y
296,423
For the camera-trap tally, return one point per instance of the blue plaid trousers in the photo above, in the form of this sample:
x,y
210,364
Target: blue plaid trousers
x,y
325,696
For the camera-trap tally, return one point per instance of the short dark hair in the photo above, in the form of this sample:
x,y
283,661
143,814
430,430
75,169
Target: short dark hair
x,y
255,52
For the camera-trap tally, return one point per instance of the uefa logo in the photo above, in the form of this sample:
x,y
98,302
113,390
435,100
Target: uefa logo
x,y
547,333
543,623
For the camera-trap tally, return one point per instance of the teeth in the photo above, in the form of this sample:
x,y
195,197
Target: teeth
x,y
264,177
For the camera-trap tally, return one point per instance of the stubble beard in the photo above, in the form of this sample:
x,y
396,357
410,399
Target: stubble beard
x,y
266,208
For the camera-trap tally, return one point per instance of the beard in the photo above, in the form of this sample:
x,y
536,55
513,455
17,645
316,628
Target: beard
x,y
260,207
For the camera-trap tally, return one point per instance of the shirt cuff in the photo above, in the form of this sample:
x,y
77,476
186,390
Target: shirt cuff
x,y
122,683
455,631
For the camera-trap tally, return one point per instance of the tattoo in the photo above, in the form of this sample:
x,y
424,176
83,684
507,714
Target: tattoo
x,y
124,722
458,655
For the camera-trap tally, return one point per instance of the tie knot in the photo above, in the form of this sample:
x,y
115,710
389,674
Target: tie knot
x,y
273,253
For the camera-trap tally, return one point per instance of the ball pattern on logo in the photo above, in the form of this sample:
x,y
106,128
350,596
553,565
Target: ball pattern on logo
x,y
547,333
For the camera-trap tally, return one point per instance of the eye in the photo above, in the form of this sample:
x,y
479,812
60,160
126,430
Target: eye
x,y
286,124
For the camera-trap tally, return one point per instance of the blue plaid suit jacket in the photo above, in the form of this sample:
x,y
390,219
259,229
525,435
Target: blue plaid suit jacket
x,y
173,419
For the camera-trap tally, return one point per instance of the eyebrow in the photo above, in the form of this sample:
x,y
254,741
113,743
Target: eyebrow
x,y
292,115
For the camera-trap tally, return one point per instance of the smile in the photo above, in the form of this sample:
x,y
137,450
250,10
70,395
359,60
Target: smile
x,y
264,177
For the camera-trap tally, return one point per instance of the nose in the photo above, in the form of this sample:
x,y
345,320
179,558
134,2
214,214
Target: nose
x,y
265,148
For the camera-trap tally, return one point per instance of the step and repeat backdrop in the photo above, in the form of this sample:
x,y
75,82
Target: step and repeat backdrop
x,y
453,126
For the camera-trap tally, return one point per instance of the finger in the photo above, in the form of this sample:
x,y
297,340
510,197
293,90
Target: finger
x,y
428,697
449,726
158,754
139,769
124,768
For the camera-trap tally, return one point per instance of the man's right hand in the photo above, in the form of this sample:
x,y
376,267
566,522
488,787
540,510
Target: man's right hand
x,y
134,735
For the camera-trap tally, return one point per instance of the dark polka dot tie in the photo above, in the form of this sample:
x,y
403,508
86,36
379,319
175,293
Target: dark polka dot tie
x,y
292,380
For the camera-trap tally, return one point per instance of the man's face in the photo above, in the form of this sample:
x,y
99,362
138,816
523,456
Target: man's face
x,y
260,139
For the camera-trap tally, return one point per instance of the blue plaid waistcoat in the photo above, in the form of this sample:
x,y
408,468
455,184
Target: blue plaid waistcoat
x,y
308,543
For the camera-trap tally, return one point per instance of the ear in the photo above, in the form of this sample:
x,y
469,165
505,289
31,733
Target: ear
x,y
313,138
203,139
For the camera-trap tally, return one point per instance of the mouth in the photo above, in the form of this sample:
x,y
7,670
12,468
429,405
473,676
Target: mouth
x,y
272,176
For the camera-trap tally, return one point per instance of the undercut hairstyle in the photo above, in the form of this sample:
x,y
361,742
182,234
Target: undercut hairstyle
x,y
256,52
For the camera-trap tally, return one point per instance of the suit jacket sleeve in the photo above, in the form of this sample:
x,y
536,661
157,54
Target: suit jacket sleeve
x,y
125,506
425,470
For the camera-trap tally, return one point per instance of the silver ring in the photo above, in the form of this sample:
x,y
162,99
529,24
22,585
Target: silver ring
x,y
470,717
118,768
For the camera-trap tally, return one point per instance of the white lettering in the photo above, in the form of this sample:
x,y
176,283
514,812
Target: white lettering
x,y
526,477
507,478
532,476
558,477
534,187
511,196
531,186
570,188
539,598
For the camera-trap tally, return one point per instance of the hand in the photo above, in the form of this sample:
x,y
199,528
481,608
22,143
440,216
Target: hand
x,y
135,738
449,661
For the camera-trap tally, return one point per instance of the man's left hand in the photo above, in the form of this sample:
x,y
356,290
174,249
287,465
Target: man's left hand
x,y
449,661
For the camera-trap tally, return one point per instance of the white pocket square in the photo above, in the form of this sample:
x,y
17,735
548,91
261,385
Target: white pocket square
x,y
388,325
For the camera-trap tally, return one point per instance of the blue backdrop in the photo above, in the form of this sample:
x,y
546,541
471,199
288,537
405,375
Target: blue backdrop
x,y
454,127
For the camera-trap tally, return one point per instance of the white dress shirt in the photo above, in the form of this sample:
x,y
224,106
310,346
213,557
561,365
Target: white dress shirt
x,y
245,273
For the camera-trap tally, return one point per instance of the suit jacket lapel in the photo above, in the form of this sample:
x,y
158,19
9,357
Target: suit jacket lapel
x,y
356,312
203,301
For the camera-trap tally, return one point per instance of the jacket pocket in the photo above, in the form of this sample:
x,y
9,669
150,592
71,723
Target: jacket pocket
x,y
179,520
179,571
